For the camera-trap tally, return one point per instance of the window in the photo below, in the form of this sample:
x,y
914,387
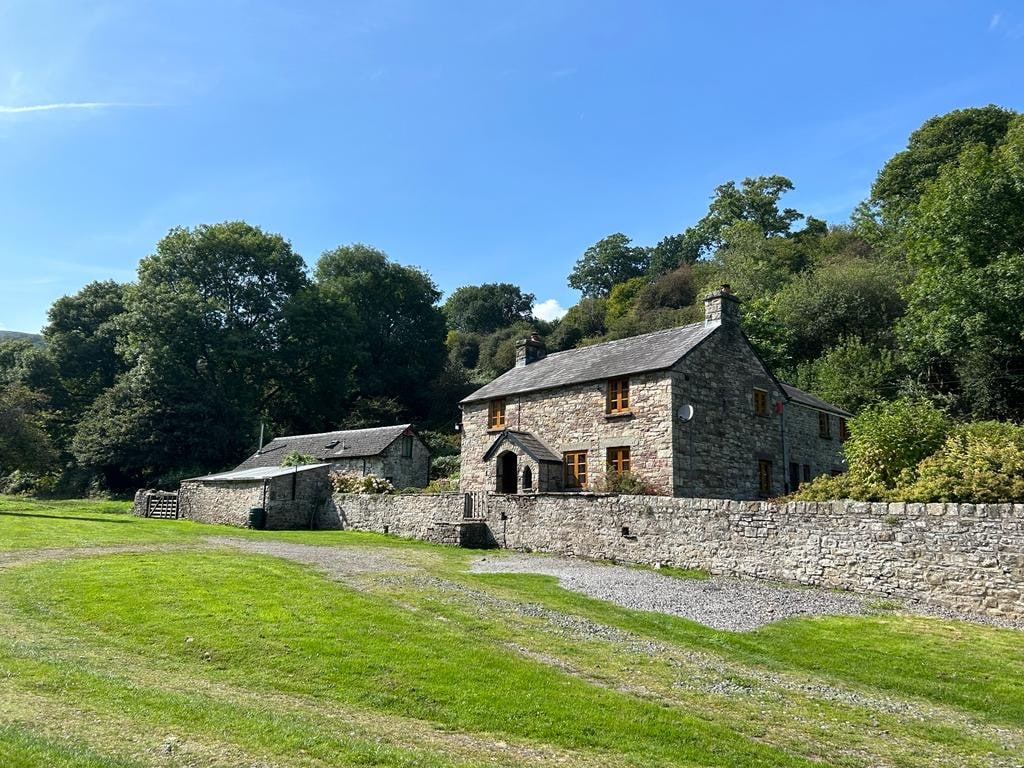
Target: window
x,y
844,429
575,469
764,477
618,459
824,425
527,479
497,415
760,402
407,447
807,473
618,396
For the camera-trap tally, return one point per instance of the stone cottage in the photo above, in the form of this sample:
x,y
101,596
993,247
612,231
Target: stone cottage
x,y
693,411
395,453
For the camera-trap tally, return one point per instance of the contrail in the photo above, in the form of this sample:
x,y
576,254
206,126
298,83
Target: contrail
x,y
9,110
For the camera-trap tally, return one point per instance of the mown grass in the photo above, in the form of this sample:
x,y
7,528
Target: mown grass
x,y
245,658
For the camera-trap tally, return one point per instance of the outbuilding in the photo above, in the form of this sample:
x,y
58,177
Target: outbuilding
x,y
395,453
291,497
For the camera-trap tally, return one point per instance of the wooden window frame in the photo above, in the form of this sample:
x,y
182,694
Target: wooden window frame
x,y
619,459
764,477
496,418
760,402
824,426
574,464
617,398
406,451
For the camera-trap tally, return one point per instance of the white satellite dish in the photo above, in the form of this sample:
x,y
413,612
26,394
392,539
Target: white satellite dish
x,y
685,413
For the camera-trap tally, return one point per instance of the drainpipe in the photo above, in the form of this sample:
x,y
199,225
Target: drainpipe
x,y
785,456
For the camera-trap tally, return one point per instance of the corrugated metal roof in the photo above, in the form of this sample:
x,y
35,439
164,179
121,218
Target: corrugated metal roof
x,y
326,446
806,398
638,354
258,473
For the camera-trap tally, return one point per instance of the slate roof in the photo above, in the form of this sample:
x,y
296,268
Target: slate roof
x,y
327,446
638,354
806,398
257,473
529,444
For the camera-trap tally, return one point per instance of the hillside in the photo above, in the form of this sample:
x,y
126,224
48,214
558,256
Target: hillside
x,y
35,338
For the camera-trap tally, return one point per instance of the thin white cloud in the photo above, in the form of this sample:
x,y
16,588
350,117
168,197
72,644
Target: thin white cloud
x,y
549,310
69,105
996,18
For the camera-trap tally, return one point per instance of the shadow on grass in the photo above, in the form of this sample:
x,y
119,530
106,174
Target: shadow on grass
x,y
63,517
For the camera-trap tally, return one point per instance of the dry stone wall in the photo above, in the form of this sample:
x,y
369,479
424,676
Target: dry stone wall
x,y
962,556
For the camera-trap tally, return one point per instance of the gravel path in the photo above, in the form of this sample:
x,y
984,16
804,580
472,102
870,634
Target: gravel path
x,y
338,562
730,604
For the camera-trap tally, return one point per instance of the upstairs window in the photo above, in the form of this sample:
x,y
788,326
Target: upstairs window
x,y
764,477
844,429
824,425
618,460
497,415
407,447
618,395
760,402
575,469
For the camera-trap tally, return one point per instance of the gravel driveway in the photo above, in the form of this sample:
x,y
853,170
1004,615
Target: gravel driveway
x,y
730,604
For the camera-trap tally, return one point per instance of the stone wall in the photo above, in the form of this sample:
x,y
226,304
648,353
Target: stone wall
x,y
968,557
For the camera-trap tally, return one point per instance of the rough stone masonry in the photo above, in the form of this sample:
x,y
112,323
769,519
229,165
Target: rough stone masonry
x,y
968,557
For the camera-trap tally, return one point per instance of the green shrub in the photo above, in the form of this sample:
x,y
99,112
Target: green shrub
x,y
442,485
889,438
23,483
444,466
845,486
629,484
296,459
982,462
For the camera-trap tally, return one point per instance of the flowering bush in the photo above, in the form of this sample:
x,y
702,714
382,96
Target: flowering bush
x,y
346,482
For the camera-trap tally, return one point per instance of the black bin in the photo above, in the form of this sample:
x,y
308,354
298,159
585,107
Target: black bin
x,y
258,518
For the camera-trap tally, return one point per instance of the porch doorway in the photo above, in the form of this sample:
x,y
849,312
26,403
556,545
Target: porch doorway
x,y
508,473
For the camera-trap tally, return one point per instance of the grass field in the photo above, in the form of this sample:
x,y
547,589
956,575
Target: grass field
x,y
127,642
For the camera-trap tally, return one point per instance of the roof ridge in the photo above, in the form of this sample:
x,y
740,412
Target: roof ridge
x,y
618,341
338,431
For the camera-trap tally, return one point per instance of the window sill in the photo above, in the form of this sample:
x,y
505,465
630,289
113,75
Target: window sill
x,y
618,415
495,430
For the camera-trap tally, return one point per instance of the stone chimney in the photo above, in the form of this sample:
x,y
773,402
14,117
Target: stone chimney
x,y
530,351
721,307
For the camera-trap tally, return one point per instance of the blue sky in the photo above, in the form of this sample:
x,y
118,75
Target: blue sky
x,y
482,141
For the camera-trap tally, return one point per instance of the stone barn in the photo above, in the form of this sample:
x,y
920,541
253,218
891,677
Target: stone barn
x,y
395,453
293,497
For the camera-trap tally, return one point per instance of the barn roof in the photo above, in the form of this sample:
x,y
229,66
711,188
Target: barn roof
x,y
257,473
638,354
328,446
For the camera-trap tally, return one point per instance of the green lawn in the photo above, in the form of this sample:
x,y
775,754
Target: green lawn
x,y
184,650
